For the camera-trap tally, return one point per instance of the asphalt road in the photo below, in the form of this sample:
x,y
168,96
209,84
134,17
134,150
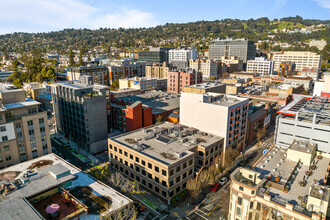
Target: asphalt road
x,y
67,155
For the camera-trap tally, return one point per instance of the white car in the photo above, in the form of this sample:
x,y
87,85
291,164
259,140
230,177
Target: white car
x,y
222,181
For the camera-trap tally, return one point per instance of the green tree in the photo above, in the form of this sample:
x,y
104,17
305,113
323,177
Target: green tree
x,y
326,53
314,49
6,55
81,62
71,59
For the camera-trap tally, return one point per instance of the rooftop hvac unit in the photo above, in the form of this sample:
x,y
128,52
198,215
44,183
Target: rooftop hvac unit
x,y
179,155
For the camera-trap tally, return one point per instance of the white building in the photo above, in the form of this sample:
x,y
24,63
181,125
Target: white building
x,y
302,59
218,114
320,44
143,83
260,65
182,54
322,87
206,66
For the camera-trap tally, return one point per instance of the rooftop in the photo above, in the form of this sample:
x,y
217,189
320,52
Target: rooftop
x,y
27,103
286,86
166,142
206,85
222,99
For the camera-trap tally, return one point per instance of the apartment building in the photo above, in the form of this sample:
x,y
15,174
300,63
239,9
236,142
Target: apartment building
x,y
143,83
206,87
80,113
154,55
260,65
302,59
176,81
98,73
157,70
182,54
232,64
304,118
24,129
125,69
310,72
218,114
287,183
241,48
134,112
209,68
33,89
163,157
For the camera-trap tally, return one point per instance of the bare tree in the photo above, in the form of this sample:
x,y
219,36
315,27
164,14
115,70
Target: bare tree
x,y
204,178
118,180
194,187
127,212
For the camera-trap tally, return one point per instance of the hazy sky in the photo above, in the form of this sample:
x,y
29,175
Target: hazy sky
x,y
50,15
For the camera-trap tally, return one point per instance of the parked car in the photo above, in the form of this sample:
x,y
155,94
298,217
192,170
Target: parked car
x,y
223,180
215,187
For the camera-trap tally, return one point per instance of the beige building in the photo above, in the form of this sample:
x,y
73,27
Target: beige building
x,y
287,88
302,59
284,184
233,64
207,67
143,83
163,157
24,130
157,70
205,88
33,89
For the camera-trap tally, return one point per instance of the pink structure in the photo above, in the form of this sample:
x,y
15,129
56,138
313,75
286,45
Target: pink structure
x,y
177,80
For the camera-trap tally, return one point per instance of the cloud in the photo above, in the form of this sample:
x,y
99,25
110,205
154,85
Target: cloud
x,y
323,3
48,15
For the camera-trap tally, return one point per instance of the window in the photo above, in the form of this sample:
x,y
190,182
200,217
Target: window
x,y
190,172
6,148
126,163
149,175
241,188
116,149
137,178
18,125
30,122
143,172
171,172
31,132
19,134
32,110
143,182
178,169
44,147
150,165
110,146
156,179
41,120
238,211
171,183
156,189
131,156
251,205
2,128
178,189
178,179
8,157
163,193
137,159
201,153
190,162
150,186
157,169
239,201
164,172
42,129
184,166
163,183
143,163
4,138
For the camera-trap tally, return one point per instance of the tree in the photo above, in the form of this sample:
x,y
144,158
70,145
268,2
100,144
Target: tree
x,y
314,49
212,77
194,187
71,59
159,119
115,84
81,62
128,212
261,134
225,75
326,53
204,178
6,55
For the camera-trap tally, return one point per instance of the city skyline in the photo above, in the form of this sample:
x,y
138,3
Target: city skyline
x,y
47,15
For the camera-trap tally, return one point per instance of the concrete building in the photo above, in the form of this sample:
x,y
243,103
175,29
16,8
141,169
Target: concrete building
x,y
322,87
24,128
310,72
134,112
157,70
260,65
176,81
98,73
80,114
287,88
283,184
234,89
206,87
33,89
34,185
233,64
209,68
302,59
218,114
5,74
304,118
182,54
163,157
143,83
154,55
256,121
241,48
125,69
286,69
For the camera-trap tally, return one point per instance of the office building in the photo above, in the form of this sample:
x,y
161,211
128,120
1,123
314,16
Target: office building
x,y
176,81
32,186
134,112
286,69
33,89
287,183
98,73
24,128
218,114
241,48
206,87
80,113
209,68
304,118
302,59
260,65
232,64
157,70
125,69
143,83
154,55
182,54
163,157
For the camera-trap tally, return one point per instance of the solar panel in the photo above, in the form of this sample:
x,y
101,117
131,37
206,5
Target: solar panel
x,y
163,139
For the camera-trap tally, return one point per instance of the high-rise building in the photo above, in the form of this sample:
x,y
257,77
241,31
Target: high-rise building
x,y
286,69
80,113
157,70
177,80
154,55
260,65
98,73
24,129
218,114
182,54
207,67
241,48
302,59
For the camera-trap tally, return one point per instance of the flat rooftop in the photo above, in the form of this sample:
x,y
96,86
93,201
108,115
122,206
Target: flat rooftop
x,y
286,86
206,85
27,103
222,99
276,164
42,179
166,142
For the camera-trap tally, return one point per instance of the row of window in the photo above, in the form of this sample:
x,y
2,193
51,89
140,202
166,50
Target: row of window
x,y
7,158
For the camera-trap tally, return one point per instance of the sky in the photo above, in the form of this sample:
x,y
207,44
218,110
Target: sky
x,y
52,15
